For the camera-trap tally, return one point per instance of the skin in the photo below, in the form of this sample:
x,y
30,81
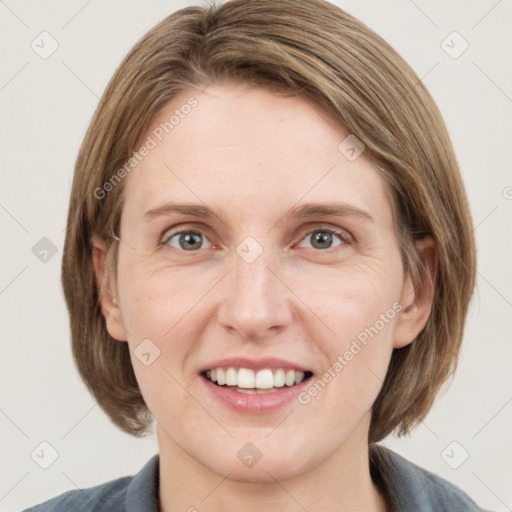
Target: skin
x,y
252,156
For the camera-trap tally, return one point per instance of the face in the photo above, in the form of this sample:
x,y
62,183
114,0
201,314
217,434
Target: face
x,y
258,284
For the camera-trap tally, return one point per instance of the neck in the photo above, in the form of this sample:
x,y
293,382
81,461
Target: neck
x,y
340,483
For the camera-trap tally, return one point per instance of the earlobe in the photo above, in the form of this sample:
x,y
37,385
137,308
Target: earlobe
x,y
417,298
109,304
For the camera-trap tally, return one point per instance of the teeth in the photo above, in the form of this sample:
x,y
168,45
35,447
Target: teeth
x,y
279,378
264,379
247,379
299,377
221,377
231,377
256,391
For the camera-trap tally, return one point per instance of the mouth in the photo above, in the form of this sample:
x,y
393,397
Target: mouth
x,y
262,381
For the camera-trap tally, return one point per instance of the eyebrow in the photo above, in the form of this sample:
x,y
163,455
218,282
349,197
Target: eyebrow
x,y
304,211
195,210
334,209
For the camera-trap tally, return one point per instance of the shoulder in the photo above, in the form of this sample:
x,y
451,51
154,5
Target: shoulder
x,y
414,488
109,496
120,495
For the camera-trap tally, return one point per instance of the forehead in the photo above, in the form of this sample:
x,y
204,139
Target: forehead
x,y
255,152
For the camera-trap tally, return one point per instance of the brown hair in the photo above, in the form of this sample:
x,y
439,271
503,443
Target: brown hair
x,y
306,47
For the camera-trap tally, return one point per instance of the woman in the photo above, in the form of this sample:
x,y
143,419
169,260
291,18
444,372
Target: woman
x,y
269,251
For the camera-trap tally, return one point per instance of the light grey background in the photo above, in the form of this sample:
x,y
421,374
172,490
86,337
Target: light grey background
x,y
46,105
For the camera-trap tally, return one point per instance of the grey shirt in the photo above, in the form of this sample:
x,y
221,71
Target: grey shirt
x,y
407,487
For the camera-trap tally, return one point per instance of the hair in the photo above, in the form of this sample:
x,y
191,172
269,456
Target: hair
x,y
316,50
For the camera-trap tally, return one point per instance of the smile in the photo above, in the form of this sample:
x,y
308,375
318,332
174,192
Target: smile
x,y
245,380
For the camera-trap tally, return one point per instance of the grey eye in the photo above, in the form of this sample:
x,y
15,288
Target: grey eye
x,y
187,240
323,238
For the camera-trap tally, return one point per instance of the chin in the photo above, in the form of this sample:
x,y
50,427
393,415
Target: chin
x,y
263,472
252,460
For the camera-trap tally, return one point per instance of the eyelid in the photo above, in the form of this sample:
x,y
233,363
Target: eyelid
x,y
178,228
345,235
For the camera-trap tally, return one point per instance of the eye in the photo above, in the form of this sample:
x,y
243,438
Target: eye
x,y
322,238
191,240
187,239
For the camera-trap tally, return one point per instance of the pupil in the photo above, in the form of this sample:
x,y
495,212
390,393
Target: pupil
x,y
189,239
322,237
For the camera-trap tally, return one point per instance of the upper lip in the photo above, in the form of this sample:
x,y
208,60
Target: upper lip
x,y
254,364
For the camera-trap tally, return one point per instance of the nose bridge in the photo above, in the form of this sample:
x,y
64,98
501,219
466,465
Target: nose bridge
x,y
256,300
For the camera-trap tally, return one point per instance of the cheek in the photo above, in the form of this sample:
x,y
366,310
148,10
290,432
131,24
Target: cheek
x,y
351,299
154,298
161,311
358,308
156,316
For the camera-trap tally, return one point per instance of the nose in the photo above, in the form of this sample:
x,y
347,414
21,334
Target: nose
x,y
257,303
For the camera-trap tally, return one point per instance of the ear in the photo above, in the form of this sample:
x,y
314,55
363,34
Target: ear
x,y
417,299
109,303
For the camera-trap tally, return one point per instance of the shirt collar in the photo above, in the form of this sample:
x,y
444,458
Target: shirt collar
x,y
404,485
142,493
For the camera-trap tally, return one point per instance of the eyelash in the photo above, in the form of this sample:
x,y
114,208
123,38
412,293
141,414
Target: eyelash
x,y
344,237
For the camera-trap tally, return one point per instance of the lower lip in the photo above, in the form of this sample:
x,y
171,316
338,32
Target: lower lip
x,y
255,403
